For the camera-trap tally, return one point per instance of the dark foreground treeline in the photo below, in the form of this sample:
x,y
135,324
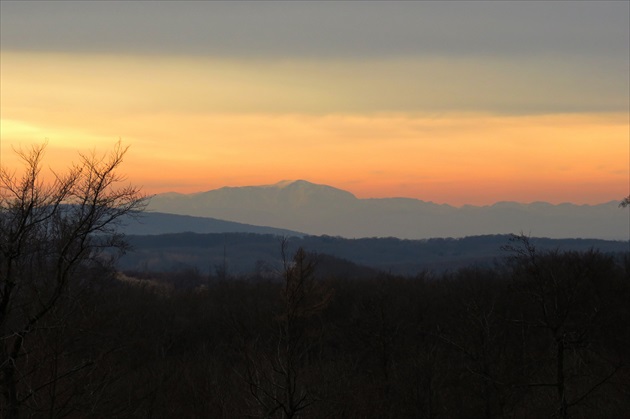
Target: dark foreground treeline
x,y
543,335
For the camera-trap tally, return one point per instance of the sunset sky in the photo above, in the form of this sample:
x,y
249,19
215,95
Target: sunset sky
x,y
451,102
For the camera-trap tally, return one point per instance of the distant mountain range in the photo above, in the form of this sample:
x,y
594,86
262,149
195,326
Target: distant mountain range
x,y
152,223
301,206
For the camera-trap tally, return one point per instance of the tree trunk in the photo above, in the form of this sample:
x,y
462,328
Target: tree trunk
x,y
560,384
9,389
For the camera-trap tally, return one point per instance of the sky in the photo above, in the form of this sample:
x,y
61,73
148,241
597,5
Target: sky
x,y
450,102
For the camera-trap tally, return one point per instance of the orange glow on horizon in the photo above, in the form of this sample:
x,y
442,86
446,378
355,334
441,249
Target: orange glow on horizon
x,y
195,125
455,159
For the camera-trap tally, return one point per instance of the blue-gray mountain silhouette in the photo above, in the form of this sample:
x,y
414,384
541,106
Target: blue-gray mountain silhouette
x,y
320,209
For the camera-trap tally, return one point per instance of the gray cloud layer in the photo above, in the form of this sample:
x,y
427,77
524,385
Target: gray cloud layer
x,y
319,29
515,57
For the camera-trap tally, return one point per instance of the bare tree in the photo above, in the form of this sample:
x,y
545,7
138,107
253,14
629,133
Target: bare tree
x,y
566,290
51,231
277,383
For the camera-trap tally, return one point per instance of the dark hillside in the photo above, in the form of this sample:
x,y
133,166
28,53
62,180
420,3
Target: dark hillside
x,y
243,252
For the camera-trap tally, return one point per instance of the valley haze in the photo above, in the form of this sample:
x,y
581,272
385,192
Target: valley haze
x,y
316,209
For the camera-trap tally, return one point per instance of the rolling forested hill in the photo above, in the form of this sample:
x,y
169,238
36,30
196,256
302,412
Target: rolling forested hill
x,y
243,253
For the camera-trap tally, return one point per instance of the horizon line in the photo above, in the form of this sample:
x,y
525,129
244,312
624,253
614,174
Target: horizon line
x,y
286,182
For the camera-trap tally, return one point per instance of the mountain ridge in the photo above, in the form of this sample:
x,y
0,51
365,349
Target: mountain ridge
x,y
321,209
158,223
283,184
